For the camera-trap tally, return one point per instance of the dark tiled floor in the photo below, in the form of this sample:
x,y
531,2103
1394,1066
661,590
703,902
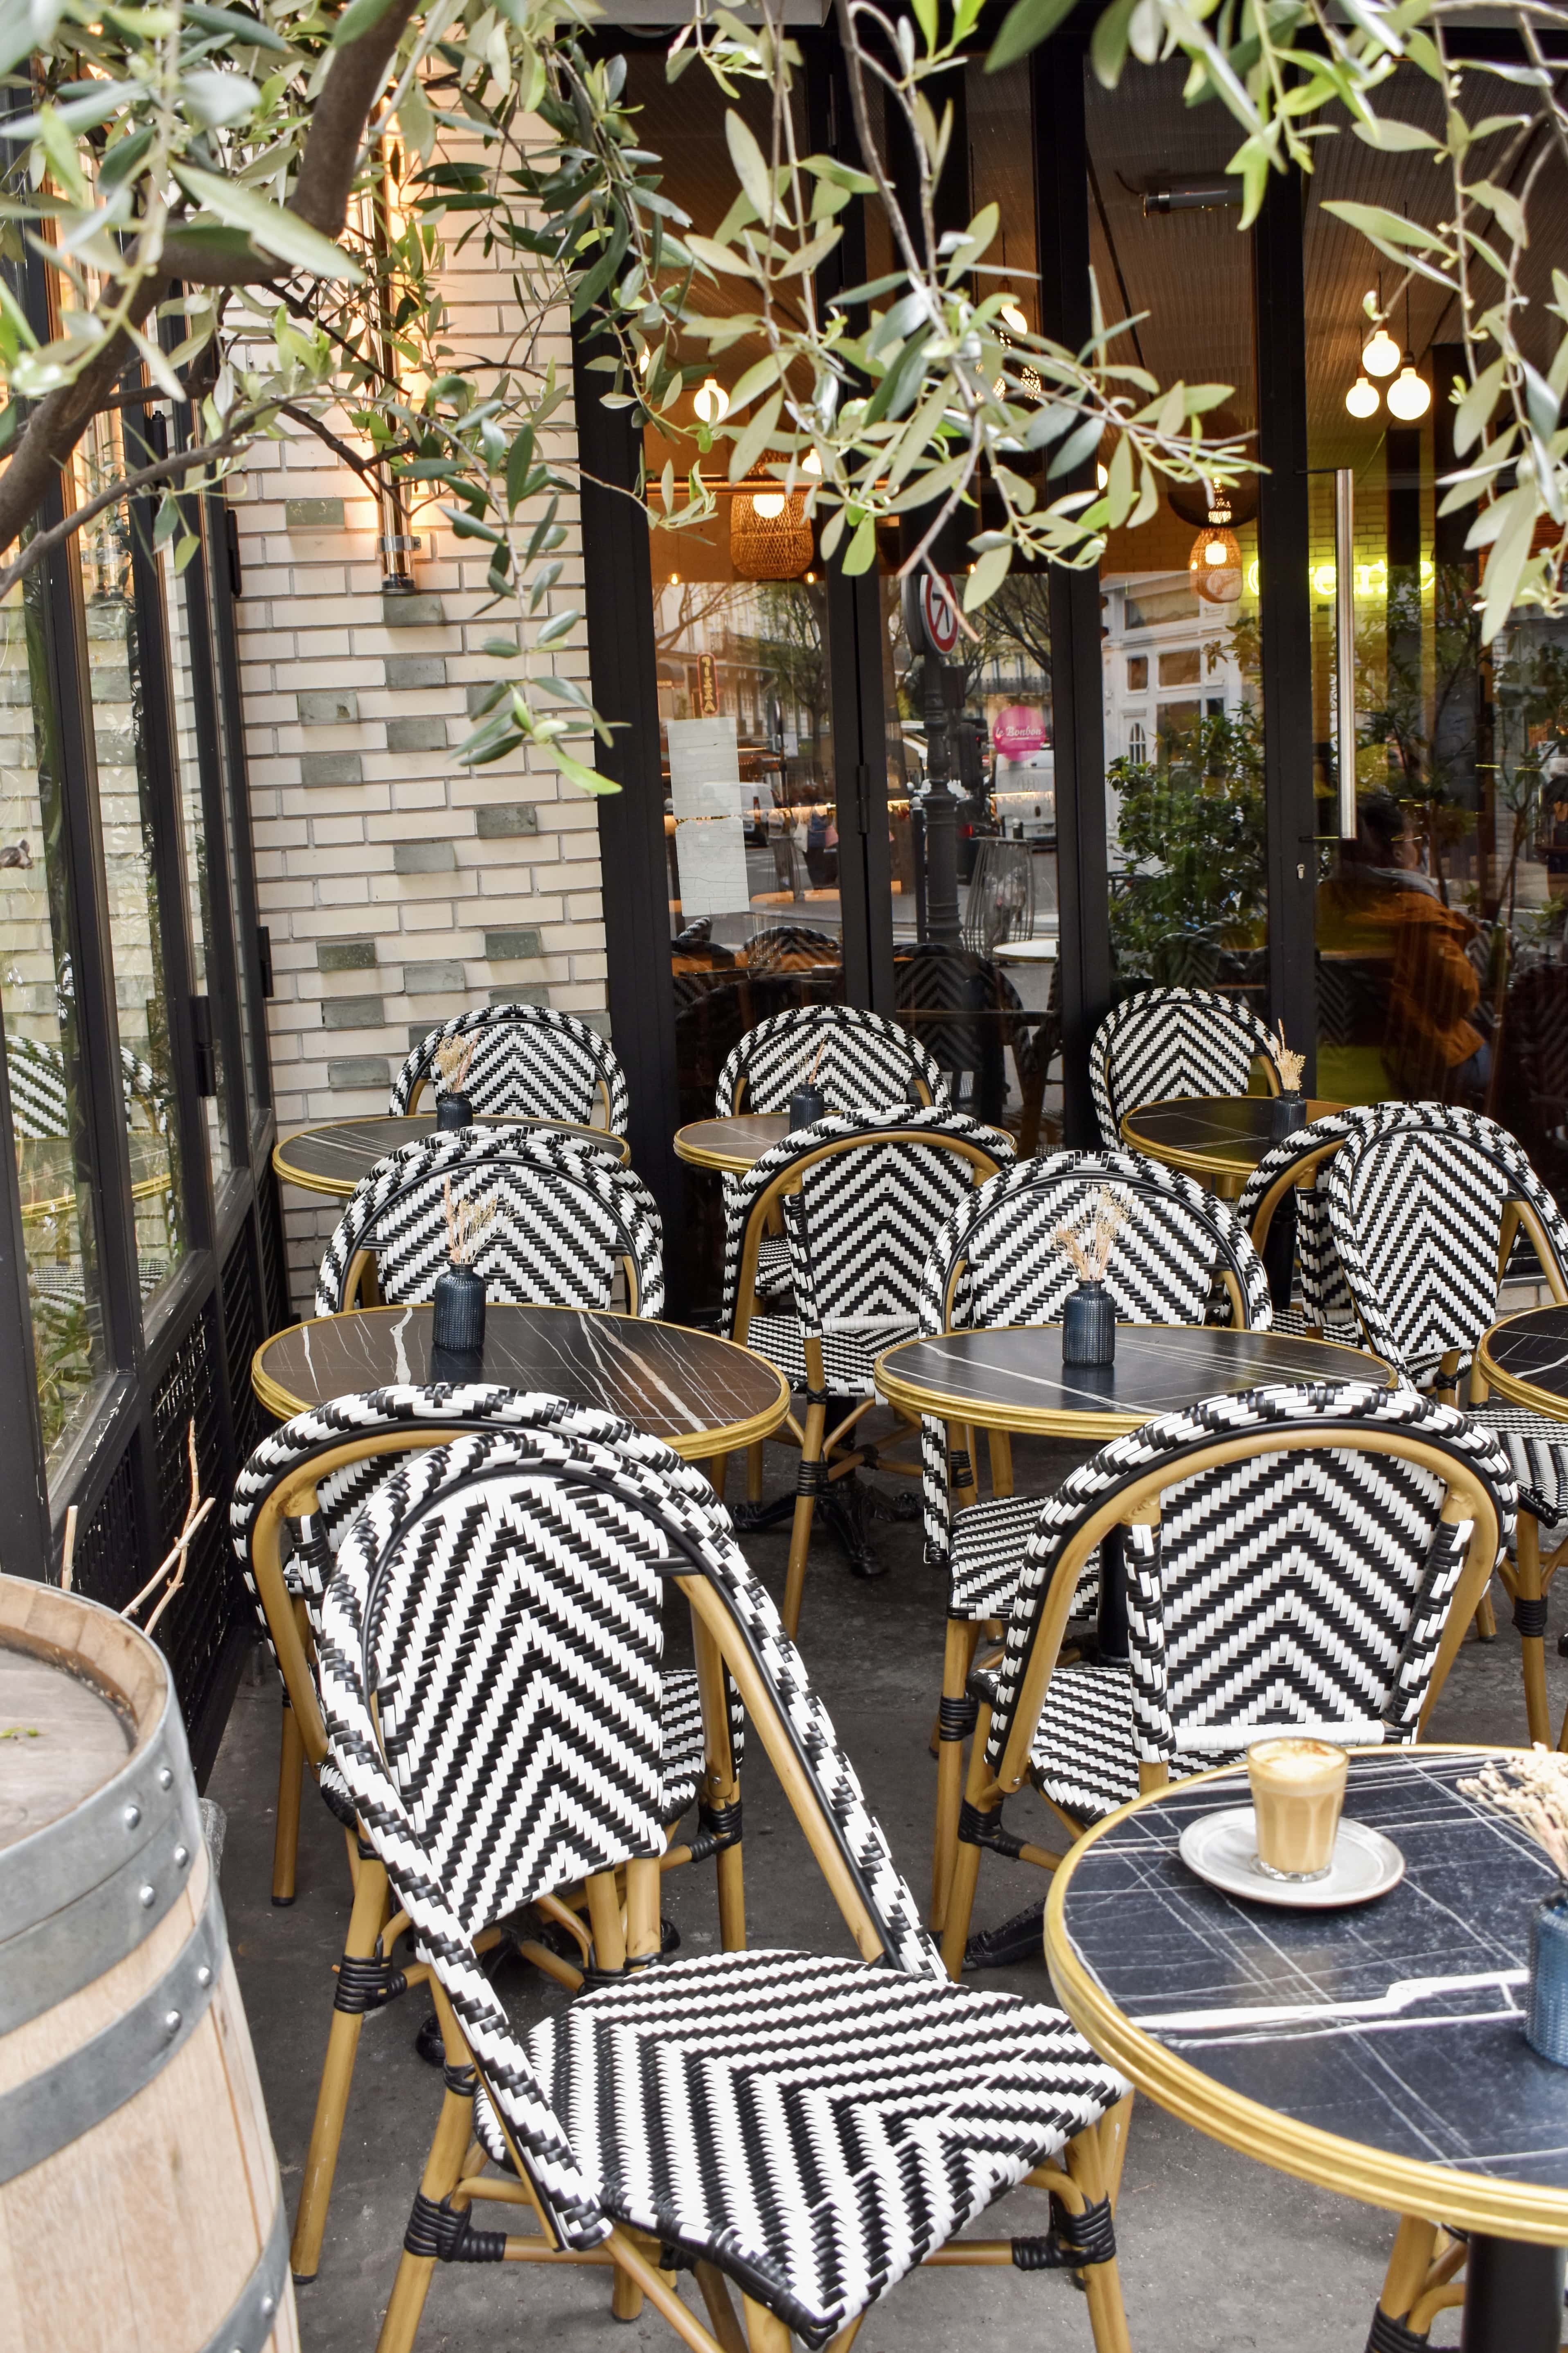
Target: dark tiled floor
x,y
1219,2256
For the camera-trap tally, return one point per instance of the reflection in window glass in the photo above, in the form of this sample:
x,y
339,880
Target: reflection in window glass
x,y
42,1051
125,814
1441,971
213,583
198,877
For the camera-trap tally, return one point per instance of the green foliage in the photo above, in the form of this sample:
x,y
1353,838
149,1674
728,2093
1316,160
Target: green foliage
x,y
1193,837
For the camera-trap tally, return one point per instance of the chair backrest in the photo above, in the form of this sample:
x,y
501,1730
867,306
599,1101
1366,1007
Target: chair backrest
x,y
866,1063
864,1198
995,1261
1166,1042
1325,1295
530,1062
792,947
36,1072
1423,1203
567,1218
493,1632
1293,1561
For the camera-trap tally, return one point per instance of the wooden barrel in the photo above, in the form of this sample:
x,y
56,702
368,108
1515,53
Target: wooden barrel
x,y
139,2204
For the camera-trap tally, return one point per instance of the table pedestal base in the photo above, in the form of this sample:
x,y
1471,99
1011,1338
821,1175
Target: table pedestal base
x,y
1513,2297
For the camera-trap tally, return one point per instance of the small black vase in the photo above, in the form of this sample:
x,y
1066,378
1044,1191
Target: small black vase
x,y
457,1365
1088,1326
807,1106
1286,1114
459,1320
454,1110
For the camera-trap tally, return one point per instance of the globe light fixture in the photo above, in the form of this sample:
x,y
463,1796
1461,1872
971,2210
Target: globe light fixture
x,y
1012,316
811,463
768,504
1215,564
1409,396
712,402
1380,352
1361,399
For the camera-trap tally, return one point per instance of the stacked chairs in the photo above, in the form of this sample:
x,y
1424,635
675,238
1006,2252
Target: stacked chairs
x,y
293,1501
1167,1042
862,1200
529,1063
805,2130
1425,1204
1297,1559
1286,1201
568,1221
994,1262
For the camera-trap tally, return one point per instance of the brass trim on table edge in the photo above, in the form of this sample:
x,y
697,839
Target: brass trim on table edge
x,y
342,1188
1400,2185
726,1437
1041,1421
1193,1160
1510,1386
730,1162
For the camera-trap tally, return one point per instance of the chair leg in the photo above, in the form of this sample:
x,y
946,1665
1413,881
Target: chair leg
x,y
626,2297
1486,1619
286,1835
754,1472
1409,2265
809,1475
372,1910
955,1723
1085,2159
443,2171
1529,1617
765,2332
965,1875
731,1901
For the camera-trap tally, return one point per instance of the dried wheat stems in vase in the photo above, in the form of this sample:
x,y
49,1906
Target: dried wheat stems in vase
x,y
466,1221
1290,1065
1089,1247
452,1059
1534,1788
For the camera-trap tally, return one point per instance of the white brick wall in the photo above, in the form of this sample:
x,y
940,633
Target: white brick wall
x,y
389,909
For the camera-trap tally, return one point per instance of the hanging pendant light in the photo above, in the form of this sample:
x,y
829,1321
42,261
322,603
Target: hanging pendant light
x,y
1380,352
770,538
710,400
1361,399
1214,566
1409,396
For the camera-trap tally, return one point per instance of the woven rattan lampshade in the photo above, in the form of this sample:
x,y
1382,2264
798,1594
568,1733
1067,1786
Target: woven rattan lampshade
x,y
769,546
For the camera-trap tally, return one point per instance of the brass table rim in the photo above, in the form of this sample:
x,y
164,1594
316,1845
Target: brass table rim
x,y
733,1164
1062,1421
723,1438
1512,1387
1193,1158
1401,2185
344,1187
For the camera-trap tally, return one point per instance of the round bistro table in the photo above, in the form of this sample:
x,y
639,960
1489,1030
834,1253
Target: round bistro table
x,y
1375,2051
1218,1137
1011,1376
1525,1359
333,1157
701,1395
733,1145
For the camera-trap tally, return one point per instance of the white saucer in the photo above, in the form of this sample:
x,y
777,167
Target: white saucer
x,y
1223,1849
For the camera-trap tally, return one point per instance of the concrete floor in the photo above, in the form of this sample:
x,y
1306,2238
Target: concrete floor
x,y
1218,2253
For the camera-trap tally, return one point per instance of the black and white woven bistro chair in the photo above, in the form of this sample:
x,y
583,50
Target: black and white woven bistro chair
x,y
1166,1042
995,1261
862,1200
568,1221
1426,1205
293,1501
805,2130
1298,1559
529,1062
1286,1199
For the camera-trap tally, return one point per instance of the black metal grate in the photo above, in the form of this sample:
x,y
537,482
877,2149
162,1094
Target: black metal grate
x,y
107,1566
242,1335
194,1631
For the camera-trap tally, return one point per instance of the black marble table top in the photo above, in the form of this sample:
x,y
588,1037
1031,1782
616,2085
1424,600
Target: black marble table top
x,y
333,1157
1531,1350
1396,2025
690,1388
1210,1132
1012,1376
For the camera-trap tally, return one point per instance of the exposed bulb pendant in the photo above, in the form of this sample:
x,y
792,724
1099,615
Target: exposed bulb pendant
x,y
1409,396
1361,399
710,400
1380,352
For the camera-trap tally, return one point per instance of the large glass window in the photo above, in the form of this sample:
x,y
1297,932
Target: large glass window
x,y
1183,697
1442,895
204,869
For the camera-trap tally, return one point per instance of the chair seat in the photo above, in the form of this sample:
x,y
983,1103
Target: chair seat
x,y
1537,1445
813,2126
1085,1752
848,1358
988,1543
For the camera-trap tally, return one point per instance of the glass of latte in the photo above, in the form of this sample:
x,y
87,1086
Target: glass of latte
x,y
1297,1789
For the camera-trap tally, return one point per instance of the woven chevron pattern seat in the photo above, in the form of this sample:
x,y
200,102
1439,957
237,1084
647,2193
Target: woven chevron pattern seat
x,y
1166,1042
567,1221
307,1481
861,1062
1308,1582
862,1200
808,2129
529,1062
1326,1302
1418,1197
